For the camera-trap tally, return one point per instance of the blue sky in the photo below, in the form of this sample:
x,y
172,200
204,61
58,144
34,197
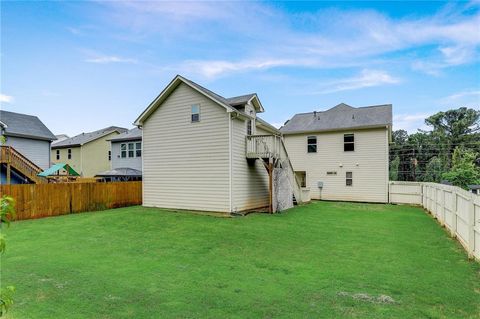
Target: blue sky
x,y
81,66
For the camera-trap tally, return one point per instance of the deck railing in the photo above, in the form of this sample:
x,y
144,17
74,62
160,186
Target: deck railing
x,y
263,146
13,158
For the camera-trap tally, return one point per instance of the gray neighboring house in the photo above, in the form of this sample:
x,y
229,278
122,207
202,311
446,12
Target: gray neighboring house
x,y
28,135
127,150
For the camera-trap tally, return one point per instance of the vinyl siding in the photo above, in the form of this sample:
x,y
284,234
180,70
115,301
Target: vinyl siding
x,y
250,181
88,159
370,176
119,162
186,165
36,151
95,155
75,162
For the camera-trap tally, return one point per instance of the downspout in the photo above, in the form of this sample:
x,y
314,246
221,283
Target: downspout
x,y
230,166
388,164
143,170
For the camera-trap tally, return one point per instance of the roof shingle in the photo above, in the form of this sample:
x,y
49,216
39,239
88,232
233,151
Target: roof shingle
x,y
84,138
340,117
23,125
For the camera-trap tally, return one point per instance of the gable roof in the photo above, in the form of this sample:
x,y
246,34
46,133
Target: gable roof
x,y
84,138
340,117
23,125
227,103
135,134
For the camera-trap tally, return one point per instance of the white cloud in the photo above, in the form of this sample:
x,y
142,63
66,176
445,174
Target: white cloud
x,y
367,78
410,122
216,68
467,98
327,38
110,59
6,98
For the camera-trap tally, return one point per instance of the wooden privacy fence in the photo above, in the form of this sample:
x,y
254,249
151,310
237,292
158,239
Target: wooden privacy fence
x,y
455,208
43,200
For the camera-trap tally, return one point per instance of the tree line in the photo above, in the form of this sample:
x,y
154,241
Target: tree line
x,y
448,152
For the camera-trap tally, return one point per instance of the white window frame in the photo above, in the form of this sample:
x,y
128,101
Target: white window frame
x,y
349,143
123,150
347,179
308,143
131,149
138,149
192,113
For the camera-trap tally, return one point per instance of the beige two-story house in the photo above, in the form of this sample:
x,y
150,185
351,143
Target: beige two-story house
x,y
202,151
342,153
87,153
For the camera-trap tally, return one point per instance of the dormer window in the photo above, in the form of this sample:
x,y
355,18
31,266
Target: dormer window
x,y
195,116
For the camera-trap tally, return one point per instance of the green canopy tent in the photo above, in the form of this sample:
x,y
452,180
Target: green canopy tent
x,y
55,171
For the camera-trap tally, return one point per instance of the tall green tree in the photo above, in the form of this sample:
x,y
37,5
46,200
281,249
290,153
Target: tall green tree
x,y
464,171
434,170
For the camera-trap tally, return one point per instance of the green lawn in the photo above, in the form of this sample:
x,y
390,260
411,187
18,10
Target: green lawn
x,y
323,260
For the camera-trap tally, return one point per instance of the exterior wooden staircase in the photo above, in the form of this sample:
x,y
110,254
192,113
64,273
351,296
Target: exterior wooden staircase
x,y
13,159
271,150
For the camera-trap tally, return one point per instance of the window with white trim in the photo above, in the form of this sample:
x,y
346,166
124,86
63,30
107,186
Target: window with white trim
x,y
58,154
349,178
138,149
195,116
131,150
69,153
249,127
311,144
348,142
123,150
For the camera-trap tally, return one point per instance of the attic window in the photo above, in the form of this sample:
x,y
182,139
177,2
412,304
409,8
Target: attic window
x,y
312,144
348,142
195,113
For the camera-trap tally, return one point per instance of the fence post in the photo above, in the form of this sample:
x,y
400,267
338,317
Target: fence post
x,y
471,225
454,213
442,207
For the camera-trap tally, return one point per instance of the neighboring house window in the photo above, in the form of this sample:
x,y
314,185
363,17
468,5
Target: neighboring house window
x,y
109,155
312,144
349,179
195,113
58,154
123,150
69,152
131,152
348,142
249,127
138,149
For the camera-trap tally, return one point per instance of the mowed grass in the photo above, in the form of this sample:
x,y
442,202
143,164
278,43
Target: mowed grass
x,y
323,260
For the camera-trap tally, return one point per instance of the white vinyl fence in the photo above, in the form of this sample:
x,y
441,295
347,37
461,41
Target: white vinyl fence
x,y
455,208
